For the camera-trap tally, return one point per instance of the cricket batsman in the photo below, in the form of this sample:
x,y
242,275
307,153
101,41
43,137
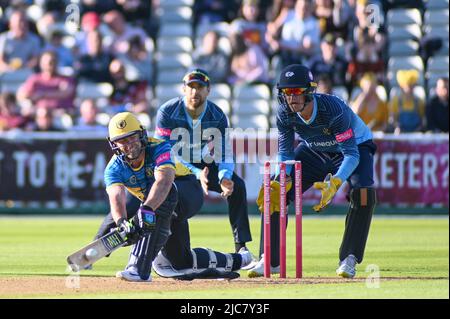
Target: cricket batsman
x,y
141,169
336,146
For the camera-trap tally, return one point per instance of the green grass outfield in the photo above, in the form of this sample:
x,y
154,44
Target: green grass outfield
x,y
411,254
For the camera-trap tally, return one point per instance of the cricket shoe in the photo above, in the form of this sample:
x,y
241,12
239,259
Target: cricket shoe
x,y
347,267
248,261
132,275
258,270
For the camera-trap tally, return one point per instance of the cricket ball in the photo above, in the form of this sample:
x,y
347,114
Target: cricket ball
x,y
91,253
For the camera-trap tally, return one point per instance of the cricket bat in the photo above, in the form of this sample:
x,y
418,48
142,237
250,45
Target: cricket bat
x,y
96,250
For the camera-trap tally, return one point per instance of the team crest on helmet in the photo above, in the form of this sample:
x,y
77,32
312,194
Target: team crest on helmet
x,y
289,74
121,125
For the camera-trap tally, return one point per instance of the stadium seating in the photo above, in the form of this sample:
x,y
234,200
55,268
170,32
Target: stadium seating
x,y
64,121
224,105
168,30
438,64
168,91
181,14
89,90
175,3
174,45
404,32
255,122
436,17
176,40
404,63
170,76
251,92
177,61
220,91
103,118
251,107
403,48
403,17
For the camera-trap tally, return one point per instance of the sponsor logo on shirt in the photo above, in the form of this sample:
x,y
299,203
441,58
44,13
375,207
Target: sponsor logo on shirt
x,y
323,144
163,131
163,158
344,136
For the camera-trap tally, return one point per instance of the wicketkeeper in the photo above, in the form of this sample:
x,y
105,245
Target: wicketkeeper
x,y
336,146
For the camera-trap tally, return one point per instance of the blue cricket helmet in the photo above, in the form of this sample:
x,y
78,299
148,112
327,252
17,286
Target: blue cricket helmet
x,y
296,76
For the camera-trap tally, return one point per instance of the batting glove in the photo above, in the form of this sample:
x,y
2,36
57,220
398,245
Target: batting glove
x,y
130,229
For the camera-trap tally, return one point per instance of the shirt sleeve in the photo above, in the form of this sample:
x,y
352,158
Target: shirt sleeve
x,y
162,130
343,132
112,175
162,155
226,166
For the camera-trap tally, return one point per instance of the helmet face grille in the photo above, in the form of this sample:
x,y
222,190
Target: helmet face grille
x,y
143,138
123,125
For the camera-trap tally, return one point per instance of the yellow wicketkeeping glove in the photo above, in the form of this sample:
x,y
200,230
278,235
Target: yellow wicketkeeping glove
x,y
274,196
328,187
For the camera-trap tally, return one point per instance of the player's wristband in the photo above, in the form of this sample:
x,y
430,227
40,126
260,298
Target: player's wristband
x,y
148,216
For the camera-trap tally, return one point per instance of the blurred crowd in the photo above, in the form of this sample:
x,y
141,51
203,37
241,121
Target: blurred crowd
x,y
115,44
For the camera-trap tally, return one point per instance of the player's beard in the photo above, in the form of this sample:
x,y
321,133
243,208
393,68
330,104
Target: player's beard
x,y
196,102
134,152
